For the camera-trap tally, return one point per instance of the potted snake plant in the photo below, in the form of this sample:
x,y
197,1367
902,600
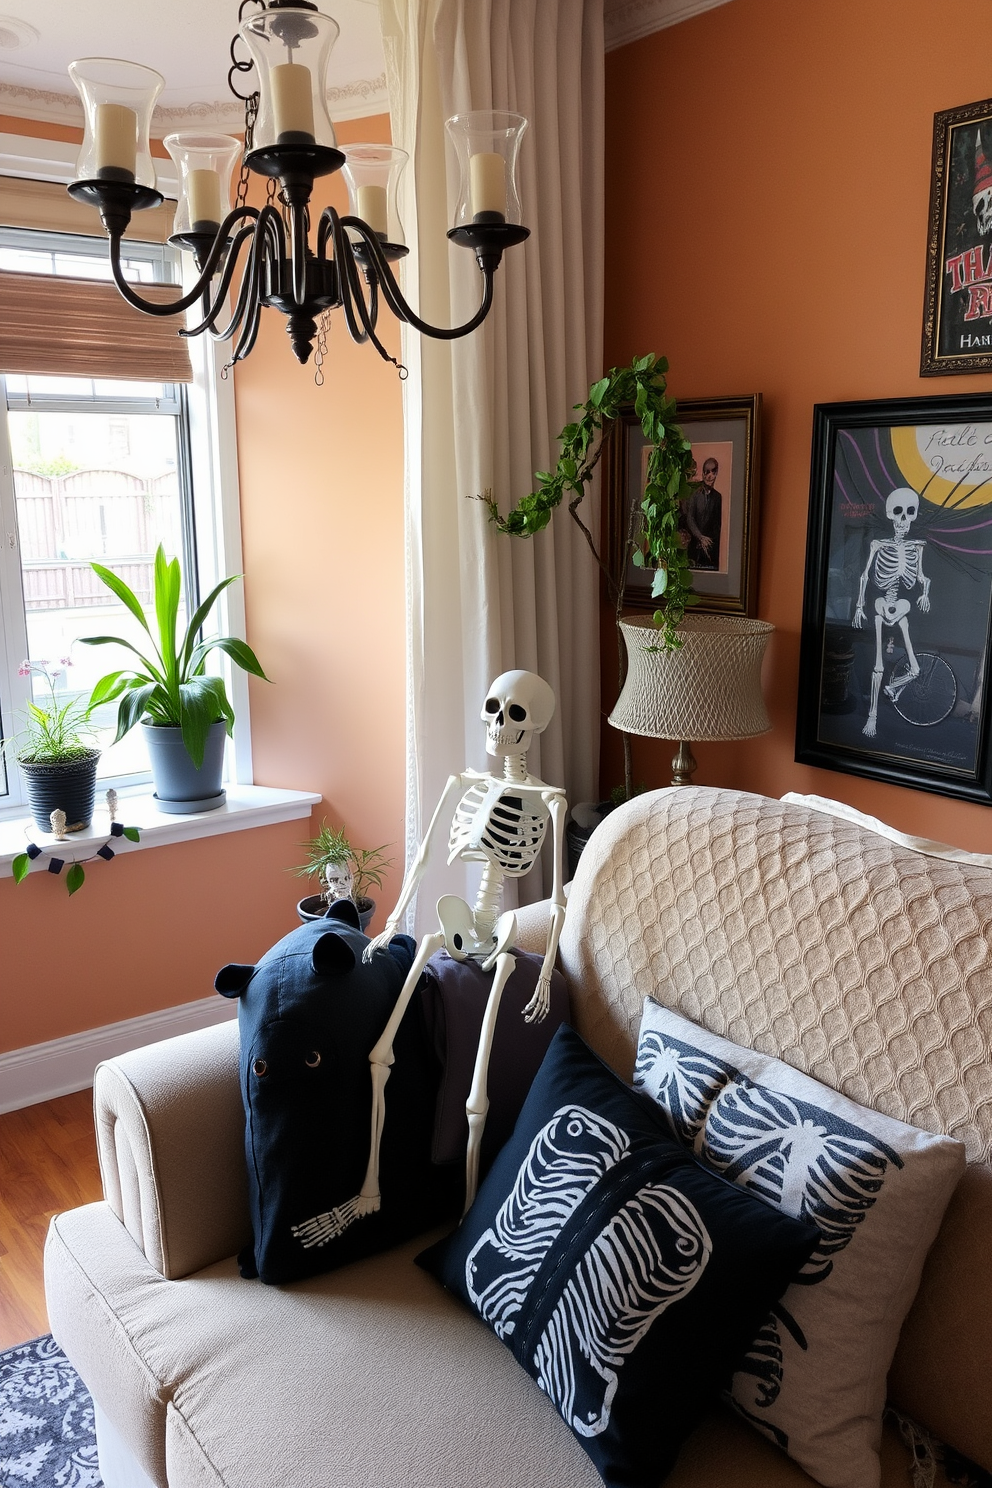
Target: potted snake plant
x,y
183,712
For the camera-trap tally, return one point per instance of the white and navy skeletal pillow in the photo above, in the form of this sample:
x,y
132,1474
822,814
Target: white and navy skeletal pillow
x,y
814,1379
626,1279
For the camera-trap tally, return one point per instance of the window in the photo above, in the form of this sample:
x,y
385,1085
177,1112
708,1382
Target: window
x,y
104,468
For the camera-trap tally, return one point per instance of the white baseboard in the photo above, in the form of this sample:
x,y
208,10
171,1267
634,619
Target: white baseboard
x,y
41,1072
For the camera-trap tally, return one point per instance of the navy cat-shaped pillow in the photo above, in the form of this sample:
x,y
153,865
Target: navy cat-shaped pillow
x,y
308,1015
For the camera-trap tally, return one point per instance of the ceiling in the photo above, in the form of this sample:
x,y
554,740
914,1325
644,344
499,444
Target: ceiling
x,y
186,40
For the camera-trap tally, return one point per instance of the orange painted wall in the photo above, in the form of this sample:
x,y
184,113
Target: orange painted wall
x,y
321,472
322,512
767,197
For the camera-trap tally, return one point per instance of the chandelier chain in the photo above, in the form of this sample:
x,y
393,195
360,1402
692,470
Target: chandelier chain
x,y
251,114
320,350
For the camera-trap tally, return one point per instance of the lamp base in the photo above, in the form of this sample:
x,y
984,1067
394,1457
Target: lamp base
x,y
683,764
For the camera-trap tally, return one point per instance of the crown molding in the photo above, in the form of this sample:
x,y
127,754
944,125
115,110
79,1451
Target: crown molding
x,y
629,20
356,100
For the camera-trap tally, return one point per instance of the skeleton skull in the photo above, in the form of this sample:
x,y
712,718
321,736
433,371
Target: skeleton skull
x,y
982,206
518,706
902,508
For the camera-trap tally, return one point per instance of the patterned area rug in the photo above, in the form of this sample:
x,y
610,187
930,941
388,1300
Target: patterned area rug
x,y
46,1420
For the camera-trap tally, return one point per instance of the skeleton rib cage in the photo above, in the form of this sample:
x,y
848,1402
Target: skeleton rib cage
x,y
494,825
895,563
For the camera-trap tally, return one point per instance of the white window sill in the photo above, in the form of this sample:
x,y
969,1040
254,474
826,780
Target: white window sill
x,y
246,806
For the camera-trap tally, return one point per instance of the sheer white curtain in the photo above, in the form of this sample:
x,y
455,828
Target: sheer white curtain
x,y
482,413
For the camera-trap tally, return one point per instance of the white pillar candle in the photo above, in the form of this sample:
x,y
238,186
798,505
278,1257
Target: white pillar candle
x,y
371,205
487,183
292,104
203,198
115,138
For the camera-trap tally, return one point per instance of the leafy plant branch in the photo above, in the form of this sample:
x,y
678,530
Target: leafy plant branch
x,y
652,539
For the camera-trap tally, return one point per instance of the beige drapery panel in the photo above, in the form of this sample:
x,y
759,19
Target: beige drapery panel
x,y
483,412
55,326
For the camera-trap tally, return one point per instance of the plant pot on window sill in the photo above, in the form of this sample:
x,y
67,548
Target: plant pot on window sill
x,y
181,787
314,907
61,785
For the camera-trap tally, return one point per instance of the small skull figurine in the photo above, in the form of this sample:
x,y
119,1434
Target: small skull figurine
x,y
339,882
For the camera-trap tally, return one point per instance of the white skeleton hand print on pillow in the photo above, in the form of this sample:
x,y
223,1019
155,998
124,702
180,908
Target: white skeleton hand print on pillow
x,y
630,1273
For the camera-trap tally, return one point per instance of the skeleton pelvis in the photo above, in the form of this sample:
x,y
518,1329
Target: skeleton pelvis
x,y
892,610
463,936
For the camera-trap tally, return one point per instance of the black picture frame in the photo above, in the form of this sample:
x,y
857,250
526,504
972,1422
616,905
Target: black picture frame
x,y
725,433
957,313
931,728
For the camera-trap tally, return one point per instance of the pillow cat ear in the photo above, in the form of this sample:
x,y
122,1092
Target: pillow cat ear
x,y
345,911
232,979
332,955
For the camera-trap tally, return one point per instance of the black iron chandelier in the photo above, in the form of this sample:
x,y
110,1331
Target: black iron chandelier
x,y
249,257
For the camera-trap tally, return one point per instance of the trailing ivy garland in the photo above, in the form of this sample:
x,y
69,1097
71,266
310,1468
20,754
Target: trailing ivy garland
x,y
652,537
76,877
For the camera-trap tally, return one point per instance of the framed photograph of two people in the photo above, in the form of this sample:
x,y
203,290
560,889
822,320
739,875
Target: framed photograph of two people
x,y
898,595
718,522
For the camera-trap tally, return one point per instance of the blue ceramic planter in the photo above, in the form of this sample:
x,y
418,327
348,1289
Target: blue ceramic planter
x,y
179,786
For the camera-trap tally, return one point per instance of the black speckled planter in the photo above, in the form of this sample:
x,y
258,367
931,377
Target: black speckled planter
x,y
67,785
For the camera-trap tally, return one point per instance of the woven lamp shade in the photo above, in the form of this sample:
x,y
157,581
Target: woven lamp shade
x,y
709,689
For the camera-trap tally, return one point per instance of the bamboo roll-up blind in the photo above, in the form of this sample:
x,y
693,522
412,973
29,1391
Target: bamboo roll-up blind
x,y
55,326
48,206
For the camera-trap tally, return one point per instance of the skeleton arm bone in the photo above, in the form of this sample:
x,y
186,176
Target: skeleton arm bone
x,y
537,1009
923,603
859,613
449,796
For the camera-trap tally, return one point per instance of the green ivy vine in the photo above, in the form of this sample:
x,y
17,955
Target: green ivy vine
x,y
652,539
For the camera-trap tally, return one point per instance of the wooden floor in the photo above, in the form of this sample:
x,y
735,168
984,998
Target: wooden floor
x,y
47,1163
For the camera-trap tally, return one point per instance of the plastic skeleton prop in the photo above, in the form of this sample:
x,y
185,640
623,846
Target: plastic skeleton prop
x,y
893,563
499,821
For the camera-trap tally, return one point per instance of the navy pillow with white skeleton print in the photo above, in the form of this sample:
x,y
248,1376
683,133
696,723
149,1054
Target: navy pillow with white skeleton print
x,y
625,1278
814,1378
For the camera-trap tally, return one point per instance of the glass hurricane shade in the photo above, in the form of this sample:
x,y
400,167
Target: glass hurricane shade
x,y
709,689
204,163
118,99
486,145
372,174
291,49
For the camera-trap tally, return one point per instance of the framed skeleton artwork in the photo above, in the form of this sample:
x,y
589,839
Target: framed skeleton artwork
x,y
718,521
898,596
957,317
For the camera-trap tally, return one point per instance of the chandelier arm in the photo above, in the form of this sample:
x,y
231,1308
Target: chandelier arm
x,y
175,307
299,223
231,263
379,264
265,232
369,310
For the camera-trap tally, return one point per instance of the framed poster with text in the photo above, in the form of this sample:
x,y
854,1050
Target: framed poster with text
x,y
898,597
957,315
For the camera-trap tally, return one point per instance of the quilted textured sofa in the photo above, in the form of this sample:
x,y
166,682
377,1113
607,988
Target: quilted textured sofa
x,y
847,954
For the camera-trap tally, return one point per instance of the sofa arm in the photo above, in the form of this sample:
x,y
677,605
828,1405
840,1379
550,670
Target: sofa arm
x,y
170,1134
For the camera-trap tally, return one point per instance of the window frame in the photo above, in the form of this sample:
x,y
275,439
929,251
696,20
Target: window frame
x,y
208,447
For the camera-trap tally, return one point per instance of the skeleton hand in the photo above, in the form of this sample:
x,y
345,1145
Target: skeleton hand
x,y
537,1009
923,602
859,617
379,942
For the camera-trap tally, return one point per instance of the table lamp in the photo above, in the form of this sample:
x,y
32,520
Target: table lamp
x,y
709,689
